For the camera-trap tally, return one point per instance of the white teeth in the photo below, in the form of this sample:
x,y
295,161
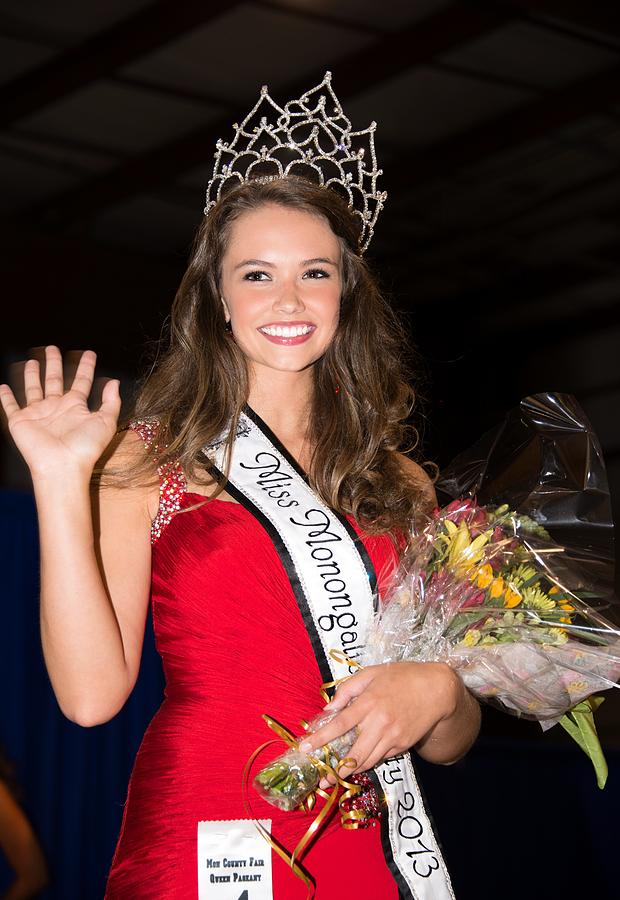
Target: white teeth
x,y
286,330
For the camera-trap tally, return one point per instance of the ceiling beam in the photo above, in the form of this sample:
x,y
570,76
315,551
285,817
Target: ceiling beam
x,y
509,130
143,32
507,283
603,18
385,58
597,197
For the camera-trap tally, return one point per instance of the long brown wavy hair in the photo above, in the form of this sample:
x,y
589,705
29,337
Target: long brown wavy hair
x,y
362,395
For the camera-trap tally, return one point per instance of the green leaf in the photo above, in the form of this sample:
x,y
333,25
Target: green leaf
x,y
579,723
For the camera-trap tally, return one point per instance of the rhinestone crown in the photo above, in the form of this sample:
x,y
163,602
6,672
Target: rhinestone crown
x,y
311,138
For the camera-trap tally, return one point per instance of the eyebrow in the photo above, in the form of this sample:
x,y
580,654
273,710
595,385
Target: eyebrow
x,y
306,262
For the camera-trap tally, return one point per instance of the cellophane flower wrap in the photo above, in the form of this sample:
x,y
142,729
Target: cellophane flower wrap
x,y
507,583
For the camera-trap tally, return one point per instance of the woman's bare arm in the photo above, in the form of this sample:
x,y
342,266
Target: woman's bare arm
x,y
94,579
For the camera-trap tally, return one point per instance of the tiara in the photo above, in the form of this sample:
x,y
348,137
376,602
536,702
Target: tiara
x,y
312,139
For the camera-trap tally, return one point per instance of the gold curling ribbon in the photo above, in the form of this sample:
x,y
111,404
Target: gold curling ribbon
x,y
273,843
339,657
348,819
354,818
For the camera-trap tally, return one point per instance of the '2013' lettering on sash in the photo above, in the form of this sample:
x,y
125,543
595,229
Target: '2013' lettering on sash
x,y
409,826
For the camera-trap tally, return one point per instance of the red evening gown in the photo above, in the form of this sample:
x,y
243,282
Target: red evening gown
x,y
233,646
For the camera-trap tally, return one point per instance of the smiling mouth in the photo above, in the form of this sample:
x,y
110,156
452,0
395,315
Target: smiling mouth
x,y
287,335
286,330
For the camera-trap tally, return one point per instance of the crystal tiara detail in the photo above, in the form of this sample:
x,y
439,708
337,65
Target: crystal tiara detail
x,y
311,138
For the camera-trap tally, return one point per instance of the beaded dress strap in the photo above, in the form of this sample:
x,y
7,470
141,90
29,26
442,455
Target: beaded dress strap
x,y
172,482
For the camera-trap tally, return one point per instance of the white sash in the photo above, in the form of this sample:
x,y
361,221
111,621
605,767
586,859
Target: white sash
x,y
334,584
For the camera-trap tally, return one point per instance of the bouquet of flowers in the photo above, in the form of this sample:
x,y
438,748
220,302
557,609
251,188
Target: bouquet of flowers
x,y
479,589
485,587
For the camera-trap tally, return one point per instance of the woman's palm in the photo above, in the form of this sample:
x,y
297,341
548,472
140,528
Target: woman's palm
x,y
56,427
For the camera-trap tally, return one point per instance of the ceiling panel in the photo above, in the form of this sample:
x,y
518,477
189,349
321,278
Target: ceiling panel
x,y
58,152
120,117
426,105
534,55
250,46
17,57
73,18
389,15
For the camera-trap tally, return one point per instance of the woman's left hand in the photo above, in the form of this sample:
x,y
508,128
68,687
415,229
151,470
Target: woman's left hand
x,y
394,706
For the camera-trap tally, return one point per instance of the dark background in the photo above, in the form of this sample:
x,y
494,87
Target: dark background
x,y
499,133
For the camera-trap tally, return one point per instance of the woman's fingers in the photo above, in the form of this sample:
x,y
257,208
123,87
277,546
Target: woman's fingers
x,y
369,749
32,381
351,688
54,386
111,399
84,374
367,752
8,401
338,726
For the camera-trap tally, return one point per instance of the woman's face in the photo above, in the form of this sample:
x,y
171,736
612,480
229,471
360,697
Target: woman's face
x,y
281,287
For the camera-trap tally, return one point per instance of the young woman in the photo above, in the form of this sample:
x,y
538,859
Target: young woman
x,y
256,497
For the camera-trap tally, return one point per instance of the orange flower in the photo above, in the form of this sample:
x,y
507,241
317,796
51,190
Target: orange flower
x,y
512,598
497,588
484,576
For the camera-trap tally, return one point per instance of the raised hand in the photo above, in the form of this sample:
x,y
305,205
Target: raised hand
x,y
55,430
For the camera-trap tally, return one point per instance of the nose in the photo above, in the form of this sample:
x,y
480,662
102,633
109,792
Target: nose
x,y
289,299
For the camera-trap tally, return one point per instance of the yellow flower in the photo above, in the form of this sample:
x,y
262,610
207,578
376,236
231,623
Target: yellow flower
x,y
497,588
463,553
566,606
511,598
484,576
471,638
554,589
535,598
558,634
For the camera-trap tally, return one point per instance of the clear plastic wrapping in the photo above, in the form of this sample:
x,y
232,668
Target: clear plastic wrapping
x,y
507,583
488,591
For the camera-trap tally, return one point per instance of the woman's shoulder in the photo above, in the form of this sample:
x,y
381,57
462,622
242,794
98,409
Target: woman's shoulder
x,y
125,472
128,448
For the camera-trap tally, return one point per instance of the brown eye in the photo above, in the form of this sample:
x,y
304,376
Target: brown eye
x,y
255,275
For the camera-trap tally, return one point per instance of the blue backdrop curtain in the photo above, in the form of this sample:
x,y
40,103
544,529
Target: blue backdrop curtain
x,y
73,779
517,818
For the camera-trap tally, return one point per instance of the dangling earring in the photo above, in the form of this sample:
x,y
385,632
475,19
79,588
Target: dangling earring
x,y
337,389
228,327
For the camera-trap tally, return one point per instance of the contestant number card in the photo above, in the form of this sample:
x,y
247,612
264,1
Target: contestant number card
x,y
234,861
